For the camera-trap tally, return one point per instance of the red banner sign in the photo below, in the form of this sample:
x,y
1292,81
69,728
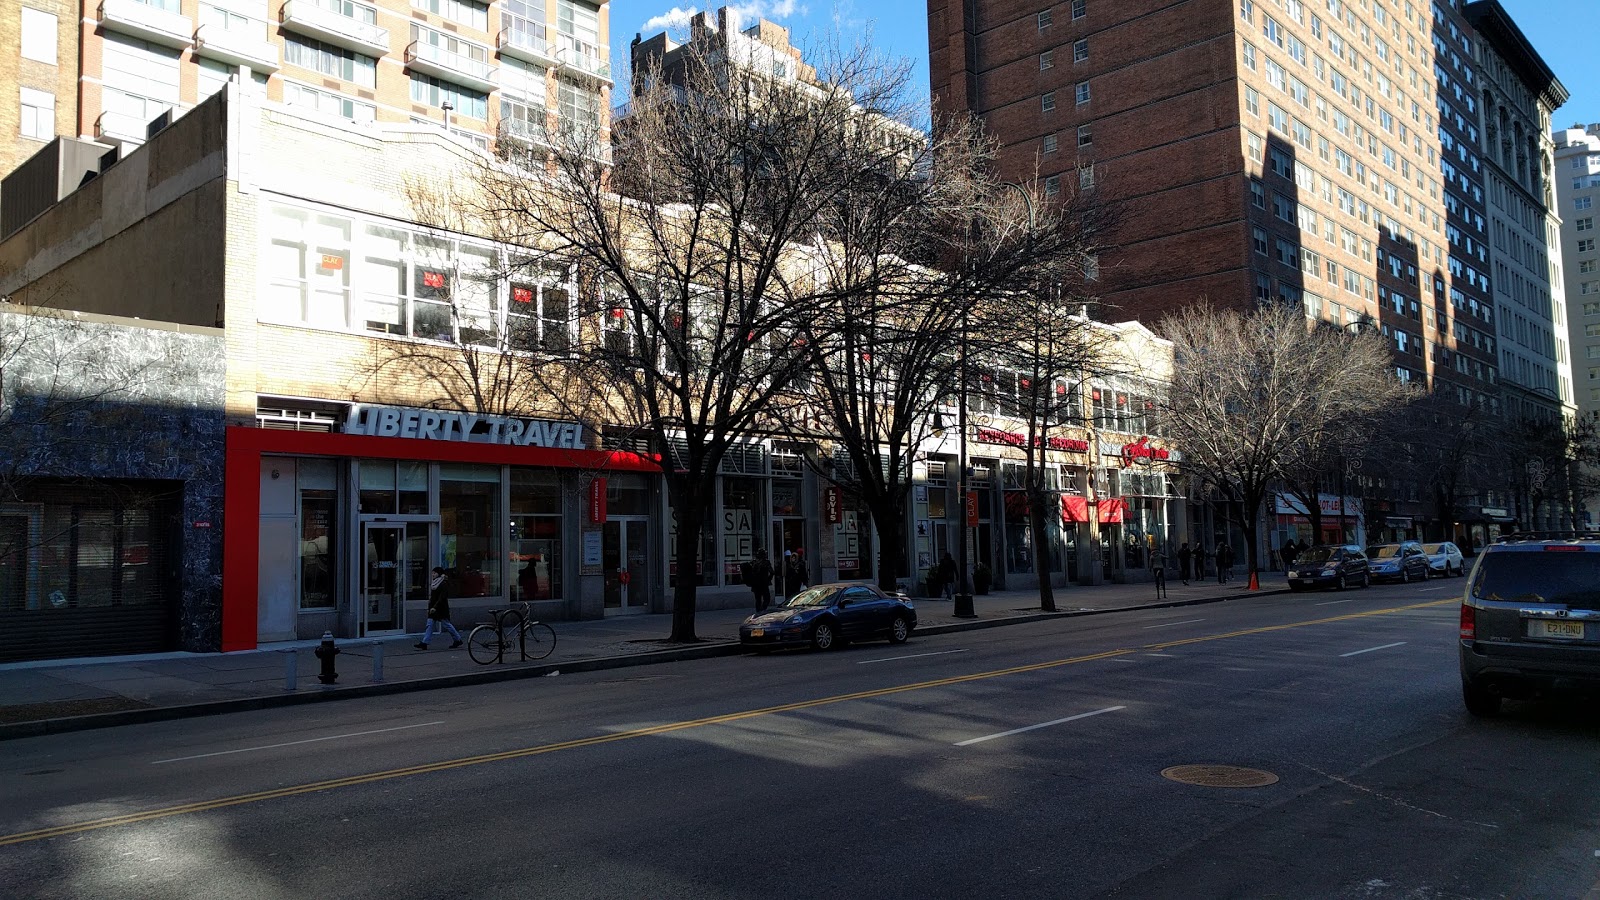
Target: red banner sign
x,y
833,505
1012,439
972,509
597,500
1141,450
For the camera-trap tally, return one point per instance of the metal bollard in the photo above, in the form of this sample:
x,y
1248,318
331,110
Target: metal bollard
x,y
377,661
291,668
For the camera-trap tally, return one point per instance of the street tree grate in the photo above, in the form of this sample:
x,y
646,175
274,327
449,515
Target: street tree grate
x,y
1220,776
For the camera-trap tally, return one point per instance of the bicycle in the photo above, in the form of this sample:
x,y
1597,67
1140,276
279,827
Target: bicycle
x,y
489,642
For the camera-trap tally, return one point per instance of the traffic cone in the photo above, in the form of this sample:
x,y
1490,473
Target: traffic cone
x,y
1255,585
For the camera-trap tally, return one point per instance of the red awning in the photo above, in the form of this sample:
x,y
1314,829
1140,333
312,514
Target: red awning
x,y
1111,510
1074,509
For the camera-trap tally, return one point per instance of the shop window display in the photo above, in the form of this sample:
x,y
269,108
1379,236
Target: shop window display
x,y
469,536
535,540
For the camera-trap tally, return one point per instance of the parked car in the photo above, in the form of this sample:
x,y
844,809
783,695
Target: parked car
x,y
1329,565
1445,559
1530,620
827,615
1403,562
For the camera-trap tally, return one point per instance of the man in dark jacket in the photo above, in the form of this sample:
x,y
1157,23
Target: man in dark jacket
x,y
1185,558
758,574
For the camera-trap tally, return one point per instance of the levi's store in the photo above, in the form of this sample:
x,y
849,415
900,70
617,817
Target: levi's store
x,y
338,512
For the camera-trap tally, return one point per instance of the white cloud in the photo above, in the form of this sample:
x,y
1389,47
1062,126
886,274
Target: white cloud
x,y
751,10
675,18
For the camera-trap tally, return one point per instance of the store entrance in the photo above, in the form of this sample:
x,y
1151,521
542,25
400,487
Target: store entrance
x,y
788,536
395,571
625,563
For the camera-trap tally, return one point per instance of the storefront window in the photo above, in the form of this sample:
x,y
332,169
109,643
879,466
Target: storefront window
x,y
377,487
742,525
536,552
98,548
1020,550
318,516
627,495
469,536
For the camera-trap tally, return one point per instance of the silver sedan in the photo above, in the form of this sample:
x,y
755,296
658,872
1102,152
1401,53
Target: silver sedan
x,y
1444,559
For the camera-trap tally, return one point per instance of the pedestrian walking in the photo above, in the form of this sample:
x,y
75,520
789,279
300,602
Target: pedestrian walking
x,y
758,574
799,578
1200,556
439,609
1185,557
1289,553
1224,561
947,576
1158,567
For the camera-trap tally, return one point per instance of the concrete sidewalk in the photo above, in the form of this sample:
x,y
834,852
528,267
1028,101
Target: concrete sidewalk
x,y
65,695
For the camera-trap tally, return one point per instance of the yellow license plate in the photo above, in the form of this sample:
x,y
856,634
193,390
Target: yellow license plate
x,y
1548,629
760,632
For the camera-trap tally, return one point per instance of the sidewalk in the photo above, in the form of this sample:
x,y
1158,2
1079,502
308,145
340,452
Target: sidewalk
x,y
64,695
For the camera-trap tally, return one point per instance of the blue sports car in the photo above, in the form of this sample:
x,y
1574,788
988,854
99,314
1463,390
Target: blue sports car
x,y
828,615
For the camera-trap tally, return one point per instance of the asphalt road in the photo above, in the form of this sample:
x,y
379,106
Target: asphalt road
x,y
1013,762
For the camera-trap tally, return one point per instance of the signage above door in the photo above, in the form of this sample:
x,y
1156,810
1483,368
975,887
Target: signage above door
x,y
441,425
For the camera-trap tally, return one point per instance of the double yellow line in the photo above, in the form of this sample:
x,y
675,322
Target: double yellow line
x,y
445,765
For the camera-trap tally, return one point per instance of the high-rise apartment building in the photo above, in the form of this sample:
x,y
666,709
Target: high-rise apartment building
x,y
39,67
1577,185
477,68
1517,94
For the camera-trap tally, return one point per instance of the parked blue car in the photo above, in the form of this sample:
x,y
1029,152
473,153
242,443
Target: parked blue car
x,y
827,615
1336,566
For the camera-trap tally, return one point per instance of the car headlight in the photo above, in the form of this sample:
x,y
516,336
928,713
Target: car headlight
x,y
1330,571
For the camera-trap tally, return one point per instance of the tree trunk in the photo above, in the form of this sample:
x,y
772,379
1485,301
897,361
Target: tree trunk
x,y
687,502
888,523
1041,554
1250,514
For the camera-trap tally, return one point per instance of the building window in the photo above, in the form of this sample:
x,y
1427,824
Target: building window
x,y
1047,102
329,103
1258,240
1586,266
1586,245
1582,202
332,61
1044,20
434,92
1086,178
1085,135
38,36
1049,144
1052,185
1258,194
1252,101
472,15
38,120
470,526
1080,50
1047,60
1083,92
536,529
1080,8
1249,56
1585,224
1263,289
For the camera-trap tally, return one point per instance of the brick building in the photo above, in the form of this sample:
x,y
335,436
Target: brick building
x,y
1319,152
39,63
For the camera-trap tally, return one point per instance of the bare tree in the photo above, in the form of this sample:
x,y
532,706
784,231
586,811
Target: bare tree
x,y
1252,390
702,257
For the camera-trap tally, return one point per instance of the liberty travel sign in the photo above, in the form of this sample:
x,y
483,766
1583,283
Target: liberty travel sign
x,y
470,428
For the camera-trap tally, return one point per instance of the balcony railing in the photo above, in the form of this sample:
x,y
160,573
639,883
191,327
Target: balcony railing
x,y
129,128
526,131
584,58
336,28
441,63
239,46
149,21
526,40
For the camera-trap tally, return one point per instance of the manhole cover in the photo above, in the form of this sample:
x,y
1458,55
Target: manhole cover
x,y
1220,776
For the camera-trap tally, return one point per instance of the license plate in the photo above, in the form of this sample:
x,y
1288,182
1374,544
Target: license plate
x,y
1548,629
761,632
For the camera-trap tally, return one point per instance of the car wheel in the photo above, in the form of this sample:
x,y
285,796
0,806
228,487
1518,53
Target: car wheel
x,y
823,637
899,630
1405,575
1339,584
1366,581
1480,702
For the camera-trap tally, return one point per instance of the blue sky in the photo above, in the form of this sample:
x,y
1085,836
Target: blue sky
x,y
1563,31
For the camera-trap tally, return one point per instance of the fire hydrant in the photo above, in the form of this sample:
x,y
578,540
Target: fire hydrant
x,y
326,653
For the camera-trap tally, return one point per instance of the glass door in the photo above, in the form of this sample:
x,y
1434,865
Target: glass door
x,y
625,563
417,571
383,578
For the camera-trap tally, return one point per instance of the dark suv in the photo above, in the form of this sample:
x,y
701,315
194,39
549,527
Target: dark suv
x,y
1530,619
1329,565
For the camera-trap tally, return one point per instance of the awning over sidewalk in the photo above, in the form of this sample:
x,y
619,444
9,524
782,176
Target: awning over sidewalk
x,y
1076,509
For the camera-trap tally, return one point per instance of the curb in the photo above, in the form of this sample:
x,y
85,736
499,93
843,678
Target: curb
x,y
709,650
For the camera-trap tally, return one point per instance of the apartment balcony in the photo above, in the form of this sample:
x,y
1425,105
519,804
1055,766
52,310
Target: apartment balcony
x,y
431,59
522,44
127,129
336,28
584,59
148,21
534,134
239,47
